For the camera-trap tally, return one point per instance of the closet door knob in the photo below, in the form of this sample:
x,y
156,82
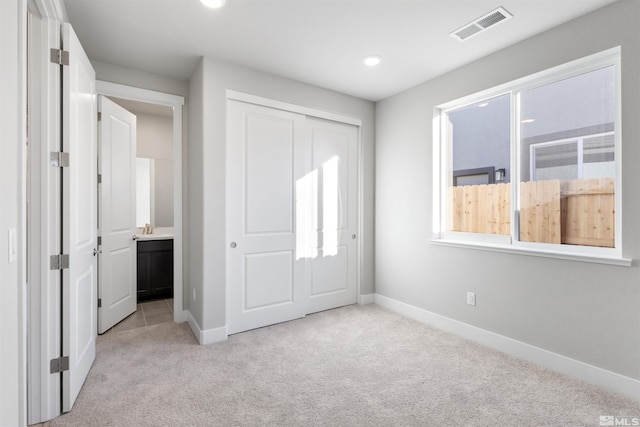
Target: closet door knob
x,y
233,245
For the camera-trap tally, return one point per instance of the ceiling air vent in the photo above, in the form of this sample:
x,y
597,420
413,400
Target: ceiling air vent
x,y
484,22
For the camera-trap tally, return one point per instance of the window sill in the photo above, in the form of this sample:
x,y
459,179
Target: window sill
x,y
511,249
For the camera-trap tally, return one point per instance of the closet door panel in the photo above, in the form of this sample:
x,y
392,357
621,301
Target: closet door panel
x,y
264,161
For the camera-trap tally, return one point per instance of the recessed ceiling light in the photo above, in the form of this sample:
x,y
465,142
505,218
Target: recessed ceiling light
x,y
213,3
372,60
528,121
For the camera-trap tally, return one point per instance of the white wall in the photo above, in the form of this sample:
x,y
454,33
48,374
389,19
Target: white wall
x,y
12,187
207,171
584,311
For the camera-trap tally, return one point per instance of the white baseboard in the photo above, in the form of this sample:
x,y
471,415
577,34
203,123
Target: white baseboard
x,y
366,299
626,386
209,336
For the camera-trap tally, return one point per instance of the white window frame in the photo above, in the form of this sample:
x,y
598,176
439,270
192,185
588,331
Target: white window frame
x,y
578,140
442,166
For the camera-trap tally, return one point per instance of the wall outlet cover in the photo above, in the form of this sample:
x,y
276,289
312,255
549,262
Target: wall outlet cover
x,y
471,298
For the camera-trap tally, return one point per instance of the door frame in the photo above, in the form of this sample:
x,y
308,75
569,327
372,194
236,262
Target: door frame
x,y
233,95
43,332
176,103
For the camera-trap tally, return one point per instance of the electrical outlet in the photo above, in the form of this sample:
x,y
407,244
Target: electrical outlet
x,y
471,298
194,294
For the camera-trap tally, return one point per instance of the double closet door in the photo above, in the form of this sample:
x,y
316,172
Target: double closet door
x,y
292,212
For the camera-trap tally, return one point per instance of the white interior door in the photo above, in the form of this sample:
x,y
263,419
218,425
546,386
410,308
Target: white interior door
x,y
265,280
117,289
79,212
331,277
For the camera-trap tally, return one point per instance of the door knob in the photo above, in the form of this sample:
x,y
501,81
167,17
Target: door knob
x,y
233,245
134,237
97,251
353,236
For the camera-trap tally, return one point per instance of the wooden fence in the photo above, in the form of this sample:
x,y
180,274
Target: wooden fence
x,y
576,212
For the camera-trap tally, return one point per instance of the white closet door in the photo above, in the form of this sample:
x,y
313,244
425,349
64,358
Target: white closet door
x,y
265,281
332,277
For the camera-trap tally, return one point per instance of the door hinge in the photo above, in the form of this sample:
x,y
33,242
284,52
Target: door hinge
x,y
59,364
99,302
58,159
99,178
60,57
59,262
99,240
99,115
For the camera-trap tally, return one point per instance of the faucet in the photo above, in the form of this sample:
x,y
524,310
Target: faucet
x,y
148,229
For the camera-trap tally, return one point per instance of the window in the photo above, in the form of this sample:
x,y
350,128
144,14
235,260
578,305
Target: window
x,y
533,164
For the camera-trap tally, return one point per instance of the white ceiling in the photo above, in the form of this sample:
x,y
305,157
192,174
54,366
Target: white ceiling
x,y
321,42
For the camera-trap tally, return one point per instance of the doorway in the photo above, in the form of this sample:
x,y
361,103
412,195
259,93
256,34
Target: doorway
x,y
143,180
169,106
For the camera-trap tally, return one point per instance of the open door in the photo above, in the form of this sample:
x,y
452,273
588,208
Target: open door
x,y
79,213
117,220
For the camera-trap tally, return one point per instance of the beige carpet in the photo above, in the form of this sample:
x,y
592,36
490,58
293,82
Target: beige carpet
x,y
353,366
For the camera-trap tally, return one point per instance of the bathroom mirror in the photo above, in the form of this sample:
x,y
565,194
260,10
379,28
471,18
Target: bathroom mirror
x,y
144,191
154,192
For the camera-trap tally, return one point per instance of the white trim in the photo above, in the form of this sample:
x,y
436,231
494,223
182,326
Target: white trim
x,y
366,299
176,102
626,386
52,9
138,94
360,241
285,106
209,336
523,249
44,223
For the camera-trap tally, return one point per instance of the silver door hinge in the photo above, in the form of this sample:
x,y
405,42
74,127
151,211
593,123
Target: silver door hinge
x,y
99,240
99,116
59,262
60,57
99,178
58,159
99,302
59,364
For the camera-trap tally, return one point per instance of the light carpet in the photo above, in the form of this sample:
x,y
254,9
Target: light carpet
x,y
353,366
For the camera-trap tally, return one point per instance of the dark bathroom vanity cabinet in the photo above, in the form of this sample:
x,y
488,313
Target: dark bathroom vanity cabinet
x,y
155,269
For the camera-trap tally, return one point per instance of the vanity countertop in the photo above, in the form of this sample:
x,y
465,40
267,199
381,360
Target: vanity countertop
x,y
159,233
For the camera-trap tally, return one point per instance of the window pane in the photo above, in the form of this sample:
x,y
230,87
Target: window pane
x,y
479,195
567,161
554,161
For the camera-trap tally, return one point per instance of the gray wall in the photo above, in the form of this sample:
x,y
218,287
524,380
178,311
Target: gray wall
x,y
585,311
207,171
155,141
12,307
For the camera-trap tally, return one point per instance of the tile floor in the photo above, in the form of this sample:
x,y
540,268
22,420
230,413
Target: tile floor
x,y
147,314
